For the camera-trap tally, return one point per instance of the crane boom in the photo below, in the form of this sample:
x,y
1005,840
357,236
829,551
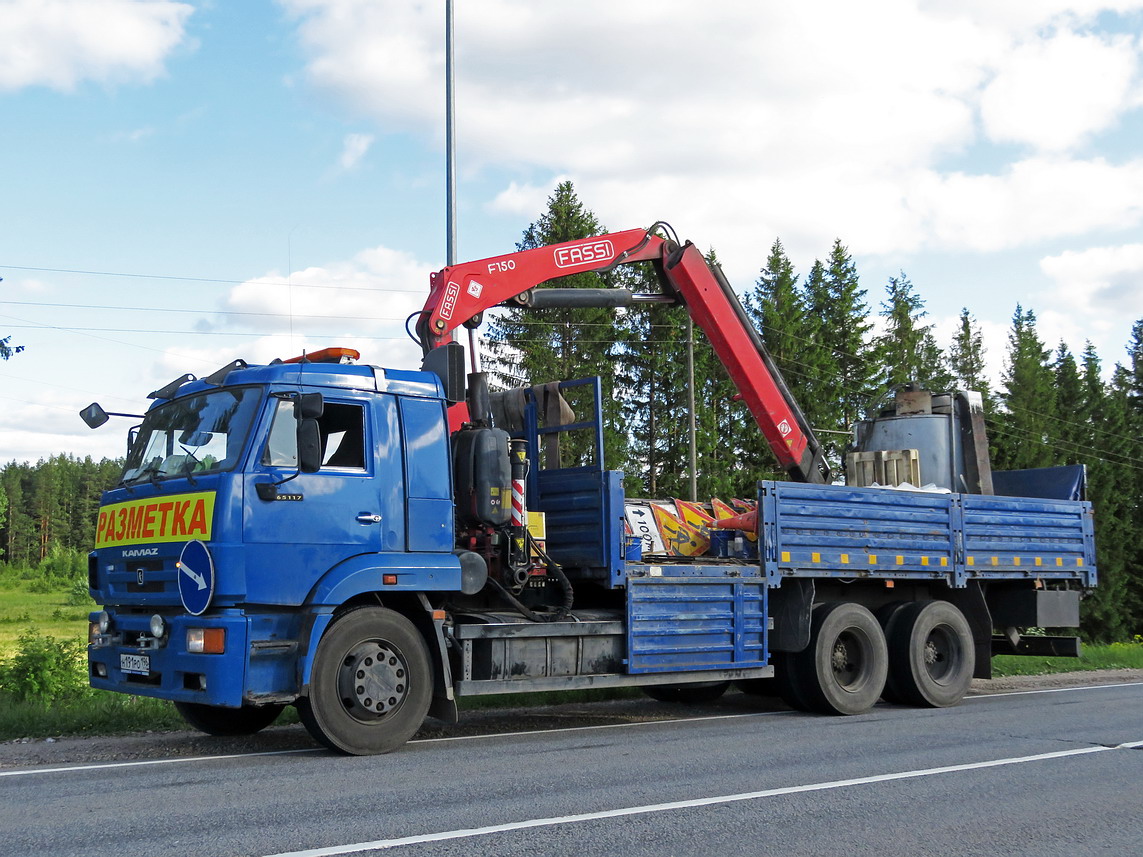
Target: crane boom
x,y
460,293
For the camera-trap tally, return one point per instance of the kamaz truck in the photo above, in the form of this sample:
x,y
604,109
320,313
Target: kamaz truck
x,y
371,544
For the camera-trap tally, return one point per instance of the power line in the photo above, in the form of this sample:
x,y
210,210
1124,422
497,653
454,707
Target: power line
x,y
201,311
259,282
246,334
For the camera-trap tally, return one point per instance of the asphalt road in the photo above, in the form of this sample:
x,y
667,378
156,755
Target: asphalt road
x,y
1057,772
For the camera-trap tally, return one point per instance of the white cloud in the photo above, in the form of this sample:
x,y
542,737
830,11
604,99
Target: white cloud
x,y
788,128
1032,200
361,303
1098,295
59,43
1054,93
353,150
523,199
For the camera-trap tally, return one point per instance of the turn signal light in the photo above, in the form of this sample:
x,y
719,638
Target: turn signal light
x,y
206,641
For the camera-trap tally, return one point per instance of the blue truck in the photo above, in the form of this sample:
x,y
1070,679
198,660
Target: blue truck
x,y
370,544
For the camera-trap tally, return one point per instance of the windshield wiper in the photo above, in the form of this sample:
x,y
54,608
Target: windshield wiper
x,y
151,471
189,464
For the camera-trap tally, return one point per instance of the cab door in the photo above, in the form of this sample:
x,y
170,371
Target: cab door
x,y
318,520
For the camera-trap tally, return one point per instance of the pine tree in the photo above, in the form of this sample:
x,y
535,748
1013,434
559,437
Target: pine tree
x,y
1071,433
777,307
1021,433
966,357
908,350
844,331
538,346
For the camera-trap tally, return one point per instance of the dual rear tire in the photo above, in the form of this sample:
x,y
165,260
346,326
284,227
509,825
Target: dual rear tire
x,y
919,653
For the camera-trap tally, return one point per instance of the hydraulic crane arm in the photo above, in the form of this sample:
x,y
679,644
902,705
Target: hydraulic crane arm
x,y
459,294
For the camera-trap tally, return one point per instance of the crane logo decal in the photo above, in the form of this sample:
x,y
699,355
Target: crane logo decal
x,y
452,292
784,428
584,254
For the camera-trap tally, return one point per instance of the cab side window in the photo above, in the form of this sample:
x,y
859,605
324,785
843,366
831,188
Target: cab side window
x,y
342,430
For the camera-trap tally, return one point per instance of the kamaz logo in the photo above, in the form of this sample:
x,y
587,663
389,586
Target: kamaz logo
x,y
583,254
452,292
140,552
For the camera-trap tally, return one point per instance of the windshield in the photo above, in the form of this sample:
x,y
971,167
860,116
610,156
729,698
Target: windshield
x,y
191,436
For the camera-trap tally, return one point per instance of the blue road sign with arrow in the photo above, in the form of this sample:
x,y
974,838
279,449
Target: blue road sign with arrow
x,y
196,577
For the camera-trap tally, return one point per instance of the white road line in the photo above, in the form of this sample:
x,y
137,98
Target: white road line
x,y
20,772
23,772
383,844
1055,690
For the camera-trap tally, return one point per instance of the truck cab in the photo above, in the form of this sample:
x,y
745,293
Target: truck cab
x,y
218,557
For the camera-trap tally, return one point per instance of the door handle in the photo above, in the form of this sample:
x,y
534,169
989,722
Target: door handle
x,y
368,518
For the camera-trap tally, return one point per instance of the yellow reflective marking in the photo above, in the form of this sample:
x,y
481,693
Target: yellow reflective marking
x,y
1059,560
1016,560
1039,561
969,561
996,560
944,561
924,560
872,558
785,556
815,557
900,560
845,558
1079,560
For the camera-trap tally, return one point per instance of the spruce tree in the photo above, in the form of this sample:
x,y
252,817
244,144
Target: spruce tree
x,y
1021,433
844,331
538,346
966,357
778,310
1070,431
908,350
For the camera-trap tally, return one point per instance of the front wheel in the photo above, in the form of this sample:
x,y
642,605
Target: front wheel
x,y
216,720
371,683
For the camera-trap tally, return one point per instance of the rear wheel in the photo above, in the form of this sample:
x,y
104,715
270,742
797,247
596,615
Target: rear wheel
x,y
371,683
216,720
690,694
843,669
887,616
931,654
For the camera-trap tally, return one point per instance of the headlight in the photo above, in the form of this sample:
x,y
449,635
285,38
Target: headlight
x,y
158,626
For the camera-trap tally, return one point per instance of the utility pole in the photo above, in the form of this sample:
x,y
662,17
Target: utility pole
x,y
691,406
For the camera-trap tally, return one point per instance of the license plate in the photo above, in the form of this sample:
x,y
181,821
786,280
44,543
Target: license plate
x,y
135,664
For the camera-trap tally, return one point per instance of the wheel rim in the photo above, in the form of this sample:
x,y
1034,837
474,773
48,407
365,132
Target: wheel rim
x,y
373,680
941,653
848,660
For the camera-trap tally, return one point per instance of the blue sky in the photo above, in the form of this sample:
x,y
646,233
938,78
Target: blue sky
x,y
276,169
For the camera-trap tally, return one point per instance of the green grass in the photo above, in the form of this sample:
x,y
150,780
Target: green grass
x,y
51,613
1116,656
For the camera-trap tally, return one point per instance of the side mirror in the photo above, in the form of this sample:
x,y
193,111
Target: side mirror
x,y
309,406
94,415
309,445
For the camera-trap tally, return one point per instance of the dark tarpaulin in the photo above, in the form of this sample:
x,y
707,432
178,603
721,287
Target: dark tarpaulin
x,y
1068,482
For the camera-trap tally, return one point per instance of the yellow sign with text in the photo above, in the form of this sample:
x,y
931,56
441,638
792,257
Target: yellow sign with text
x,y
179,517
